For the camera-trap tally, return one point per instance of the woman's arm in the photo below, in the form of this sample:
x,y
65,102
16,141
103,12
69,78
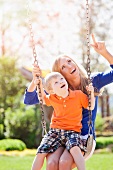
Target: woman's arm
x,y
99,47
31,98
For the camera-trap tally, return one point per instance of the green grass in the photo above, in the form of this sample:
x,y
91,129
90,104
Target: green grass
x,y
15,162
96,162
100,162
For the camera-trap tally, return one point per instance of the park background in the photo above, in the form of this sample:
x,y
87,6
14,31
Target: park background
x,y
59,26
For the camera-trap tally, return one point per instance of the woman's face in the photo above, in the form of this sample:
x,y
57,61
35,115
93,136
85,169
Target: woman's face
x,y
68,68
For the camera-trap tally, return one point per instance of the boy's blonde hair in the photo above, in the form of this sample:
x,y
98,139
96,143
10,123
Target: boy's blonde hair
x,y
83,73
47,81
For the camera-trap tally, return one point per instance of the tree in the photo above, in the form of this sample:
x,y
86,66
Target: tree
x,y
99,25
12,86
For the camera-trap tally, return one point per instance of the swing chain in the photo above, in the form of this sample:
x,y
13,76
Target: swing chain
x,y
36,61
31,33
88,62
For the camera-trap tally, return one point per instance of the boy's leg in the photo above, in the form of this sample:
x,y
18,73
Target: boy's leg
x,y
74,145
78,157
49,144
38,161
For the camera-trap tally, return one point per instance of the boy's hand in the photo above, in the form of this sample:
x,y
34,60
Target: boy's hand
x,y
36,72
37,80
90,88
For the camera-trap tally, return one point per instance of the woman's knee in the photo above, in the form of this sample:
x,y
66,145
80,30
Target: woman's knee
x,y
52,164
65,162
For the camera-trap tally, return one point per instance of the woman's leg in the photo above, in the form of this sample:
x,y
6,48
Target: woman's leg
x,y
52,159
66,161
38,161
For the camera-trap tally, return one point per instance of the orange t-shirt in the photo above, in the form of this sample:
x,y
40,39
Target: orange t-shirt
x,y
67,112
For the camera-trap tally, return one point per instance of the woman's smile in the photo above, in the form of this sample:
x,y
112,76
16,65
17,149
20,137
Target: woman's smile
x,y
73,71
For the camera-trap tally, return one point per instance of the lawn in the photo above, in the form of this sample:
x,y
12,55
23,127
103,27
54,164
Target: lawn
x,y
97,162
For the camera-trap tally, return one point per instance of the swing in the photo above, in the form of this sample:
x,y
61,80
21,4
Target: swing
x,y
89,143
43,122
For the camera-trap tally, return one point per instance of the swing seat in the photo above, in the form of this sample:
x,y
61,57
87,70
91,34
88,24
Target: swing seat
x,y
89,145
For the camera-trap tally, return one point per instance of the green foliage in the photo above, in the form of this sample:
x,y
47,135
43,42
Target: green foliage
x,y
11,82
12,144
102,142
99,123
24,123
108,125
1,131
12,86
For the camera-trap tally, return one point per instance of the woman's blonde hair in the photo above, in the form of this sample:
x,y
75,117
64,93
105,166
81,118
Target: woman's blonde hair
x,y
83,73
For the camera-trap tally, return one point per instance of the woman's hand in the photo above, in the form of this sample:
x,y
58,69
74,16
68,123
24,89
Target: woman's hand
x,y
99,46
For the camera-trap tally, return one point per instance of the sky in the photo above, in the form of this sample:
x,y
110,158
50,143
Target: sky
x,y
55,27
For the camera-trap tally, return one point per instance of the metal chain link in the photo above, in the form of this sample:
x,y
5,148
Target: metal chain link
x,y
88,62
36,61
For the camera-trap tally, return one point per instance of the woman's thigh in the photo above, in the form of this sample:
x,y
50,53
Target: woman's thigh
x,y
52,159
66,160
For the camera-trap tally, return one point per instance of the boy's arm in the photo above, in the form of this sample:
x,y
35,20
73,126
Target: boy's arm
x,y
31,87
38,83
90,89
35,72
92,101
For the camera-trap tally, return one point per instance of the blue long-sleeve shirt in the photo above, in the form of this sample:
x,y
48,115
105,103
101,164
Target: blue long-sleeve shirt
x,y
99,80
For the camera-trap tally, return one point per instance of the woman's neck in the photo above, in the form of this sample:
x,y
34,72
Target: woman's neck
x,y
74,84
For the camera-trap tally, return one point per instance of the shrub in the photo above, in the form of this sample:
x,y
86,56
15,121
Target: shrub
x,y
25,124
12,144
12,86
99,124
1,131
103,142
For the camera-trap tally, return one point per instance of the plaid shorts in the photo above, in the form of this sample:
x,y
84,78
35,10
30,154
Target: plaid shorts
x,y
56,138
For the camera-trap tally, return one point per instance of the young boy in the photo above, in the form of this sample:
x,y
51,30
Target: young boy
x,y
65,126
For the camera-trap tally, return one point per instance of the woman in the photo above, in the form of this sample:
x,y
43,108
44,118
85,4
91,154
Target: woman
x,y
77,79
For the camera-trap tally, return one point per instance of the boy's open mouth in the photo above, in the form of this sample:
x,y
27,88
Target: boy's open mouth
x,y
62,86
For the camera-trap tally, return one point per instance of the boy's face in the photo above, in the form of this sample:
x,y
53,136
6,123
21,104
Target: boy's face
x,y
59,86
